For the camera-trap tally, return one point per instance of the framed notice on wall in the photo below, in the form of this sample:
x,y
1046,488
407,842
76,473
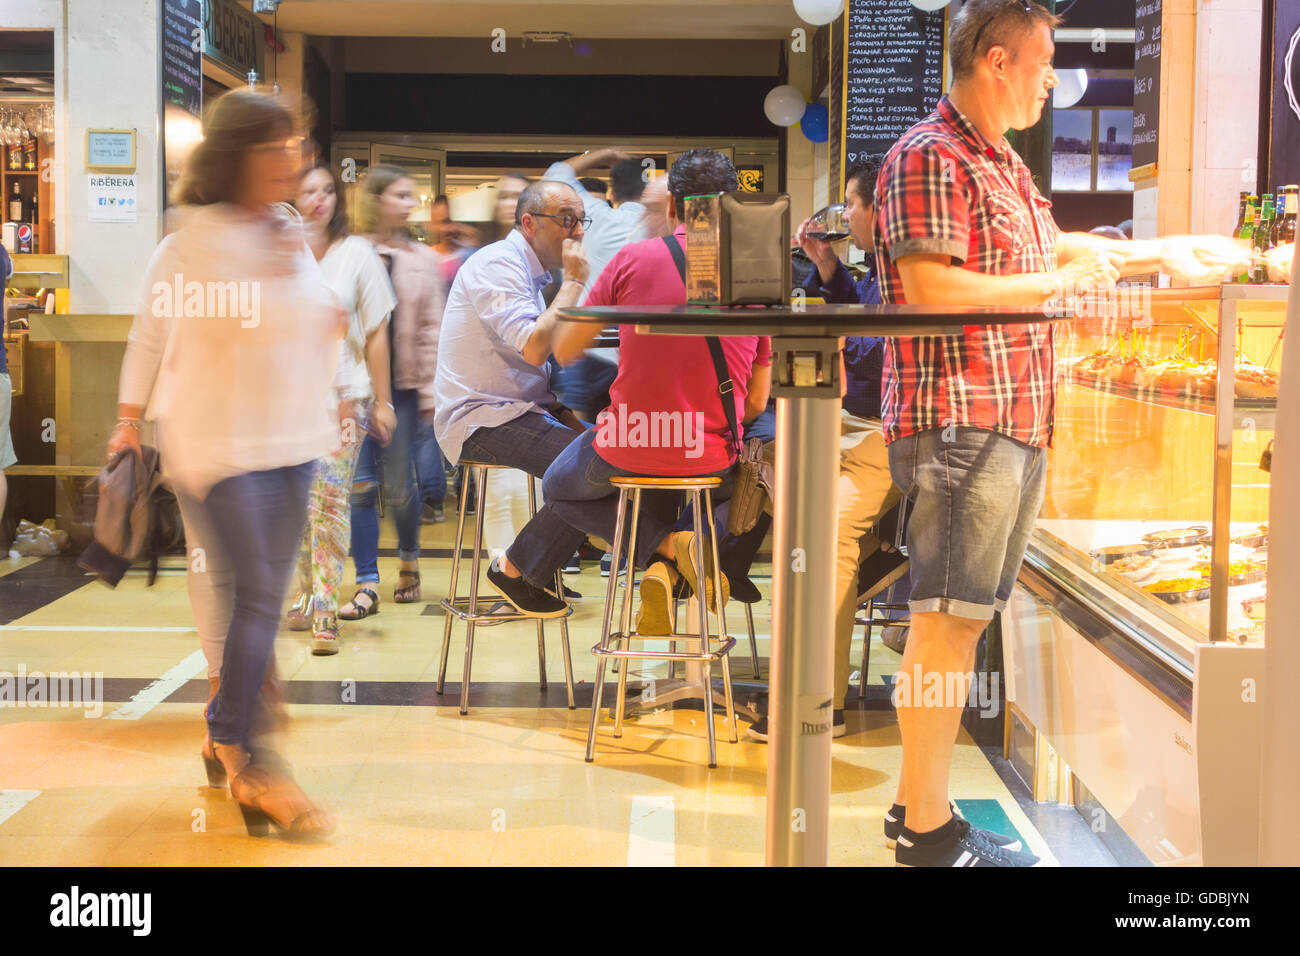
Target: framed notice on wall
x,y
110,150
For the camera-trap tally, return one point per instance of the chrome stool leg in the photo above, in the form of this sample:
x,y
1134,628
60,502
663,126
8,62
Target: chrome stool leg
x,y
626,625
451,589
702,597
753,641
722,624
607,619
869,625
541,633
475,564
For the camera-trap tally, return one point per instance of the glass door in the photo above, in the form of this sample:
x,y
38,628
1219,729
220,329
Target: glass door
x,y
426,167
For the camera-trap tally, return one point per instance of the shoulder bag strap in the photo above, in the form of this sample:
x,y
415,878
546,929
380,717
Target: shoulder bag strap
x,y
726,387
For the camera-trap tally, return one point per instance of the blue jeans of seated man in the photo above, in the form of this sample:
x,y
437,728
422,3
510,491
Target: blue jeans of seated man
x,y
530,443
580,500
429,468
394,466
250,525
764,426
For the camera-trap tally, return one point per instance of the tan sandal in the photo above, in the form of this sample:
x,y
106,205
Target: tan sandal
x,y
256,789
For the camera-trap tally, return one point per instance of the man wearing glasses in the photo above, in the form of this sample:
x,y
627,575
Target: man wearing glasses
x,y
494,400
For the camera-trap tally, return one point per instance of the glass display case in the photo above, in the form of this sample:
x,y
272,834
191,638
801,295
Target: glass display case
x,y
1135,637
1156,508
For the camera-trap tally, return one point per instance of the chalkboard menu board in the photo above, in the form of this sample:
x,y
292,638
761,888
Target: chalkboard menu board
x,y
894,73
1284,127
182,64
1146,84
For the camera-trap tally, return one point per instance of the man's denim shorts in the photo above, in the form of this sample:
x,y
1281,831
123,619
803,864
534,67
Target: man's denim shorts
x,y
974,500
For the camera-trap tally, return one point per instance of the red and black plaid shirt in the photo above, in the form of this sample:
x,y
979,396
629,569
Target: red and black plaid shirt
x,y
945,189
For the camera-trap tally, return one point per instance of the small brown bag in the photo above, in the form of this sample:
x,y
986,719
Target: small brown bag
x,y
752,492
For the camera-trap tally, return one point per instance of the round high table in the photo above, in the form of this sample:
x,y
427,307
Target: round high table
x,y
806,383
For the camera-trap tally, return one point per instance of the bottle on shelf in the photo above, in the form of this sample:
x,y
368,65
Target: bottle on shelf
x,y
1247,229
1262,238
29,154
16,156
1286,229
16,204
1241,215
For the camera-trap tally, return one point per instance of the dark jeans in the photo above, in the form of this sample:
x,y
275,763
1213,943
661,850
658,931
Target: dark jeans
x,y
580,500
764,426
530,443
255,520
395,467
429,468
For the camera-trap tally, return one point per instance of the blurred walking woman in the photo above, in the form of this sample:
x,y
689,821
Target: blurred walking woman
x,y
388,200
233,353
356,275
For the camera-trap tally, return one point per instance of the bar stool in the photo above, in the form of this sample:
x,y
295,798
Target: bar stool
x,y
618,644
479,613
877,613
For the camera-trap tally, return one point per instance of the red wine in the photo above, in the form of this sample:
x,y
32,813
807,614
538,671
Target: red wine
x,y
828,236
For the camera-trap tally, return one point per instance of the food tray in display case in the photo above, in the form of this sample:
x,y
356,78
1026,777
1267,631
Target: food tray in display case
x,y
1157,495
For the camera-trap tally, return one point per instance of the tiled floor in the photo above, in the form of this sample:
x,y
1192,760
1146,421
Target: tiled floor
x,y
411,781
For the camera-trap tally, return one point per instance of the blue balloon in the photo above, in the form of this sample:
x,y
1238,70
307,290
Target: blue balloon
x,y
816,123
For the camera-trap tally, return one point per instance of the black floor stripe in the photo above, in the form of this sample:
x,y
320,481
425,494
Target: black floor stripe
x,y
507,694
31,588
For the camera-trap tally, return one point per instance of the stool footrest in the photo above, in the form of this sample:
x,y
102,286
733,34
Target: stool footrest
x,y
724,647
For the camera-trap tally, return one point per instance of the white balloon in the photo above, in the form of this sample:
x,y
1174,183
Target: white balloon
x,y
818,12
1074,83
929,6
784,106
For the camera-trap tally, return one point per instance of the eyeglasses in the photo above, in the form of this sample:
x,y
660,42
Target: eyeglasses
x,y
1023,4
566,221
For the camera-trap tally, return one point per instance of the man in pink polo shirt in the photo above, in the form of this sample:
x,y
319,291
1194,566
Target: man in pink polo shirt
x,y
665,418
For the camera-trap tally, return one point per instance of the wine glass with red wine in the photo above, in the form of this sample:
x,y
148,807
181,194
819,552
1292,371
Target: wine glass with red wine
x,y
829,225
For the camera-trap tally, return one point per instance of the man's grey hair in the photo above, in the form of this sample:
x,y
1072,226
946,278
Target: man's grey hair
x,y
535,198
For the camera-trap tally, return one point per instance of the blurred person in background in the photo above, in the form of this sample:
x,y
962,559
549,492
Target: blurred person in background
x,y
388,200
356,275
244,404
596,187
454,242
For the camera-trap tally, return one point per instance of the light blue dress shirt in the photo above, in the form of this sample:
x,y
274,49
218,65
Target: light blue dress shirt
x,y
611,229
482,379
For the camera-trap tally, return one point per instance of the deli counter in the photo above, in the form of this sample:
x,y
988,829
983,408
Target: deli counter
x,y
1139,619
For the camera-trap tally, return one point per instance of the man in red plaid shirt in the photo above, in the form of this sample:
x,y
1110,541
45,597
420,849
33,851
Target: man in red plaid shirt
x,y
968,418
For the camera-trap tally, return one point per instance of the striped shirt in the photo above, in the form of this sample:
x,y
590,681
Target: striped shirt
x,y
944,189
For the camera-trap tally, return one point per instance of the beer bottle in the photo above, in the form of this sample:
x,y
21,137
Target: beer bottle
x,y
1286,230
1247,230
1260,241
1241,215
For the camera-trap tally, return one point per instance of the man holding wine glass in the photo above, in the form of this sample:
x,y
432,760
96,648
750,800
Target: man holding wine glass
x,y
866,490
